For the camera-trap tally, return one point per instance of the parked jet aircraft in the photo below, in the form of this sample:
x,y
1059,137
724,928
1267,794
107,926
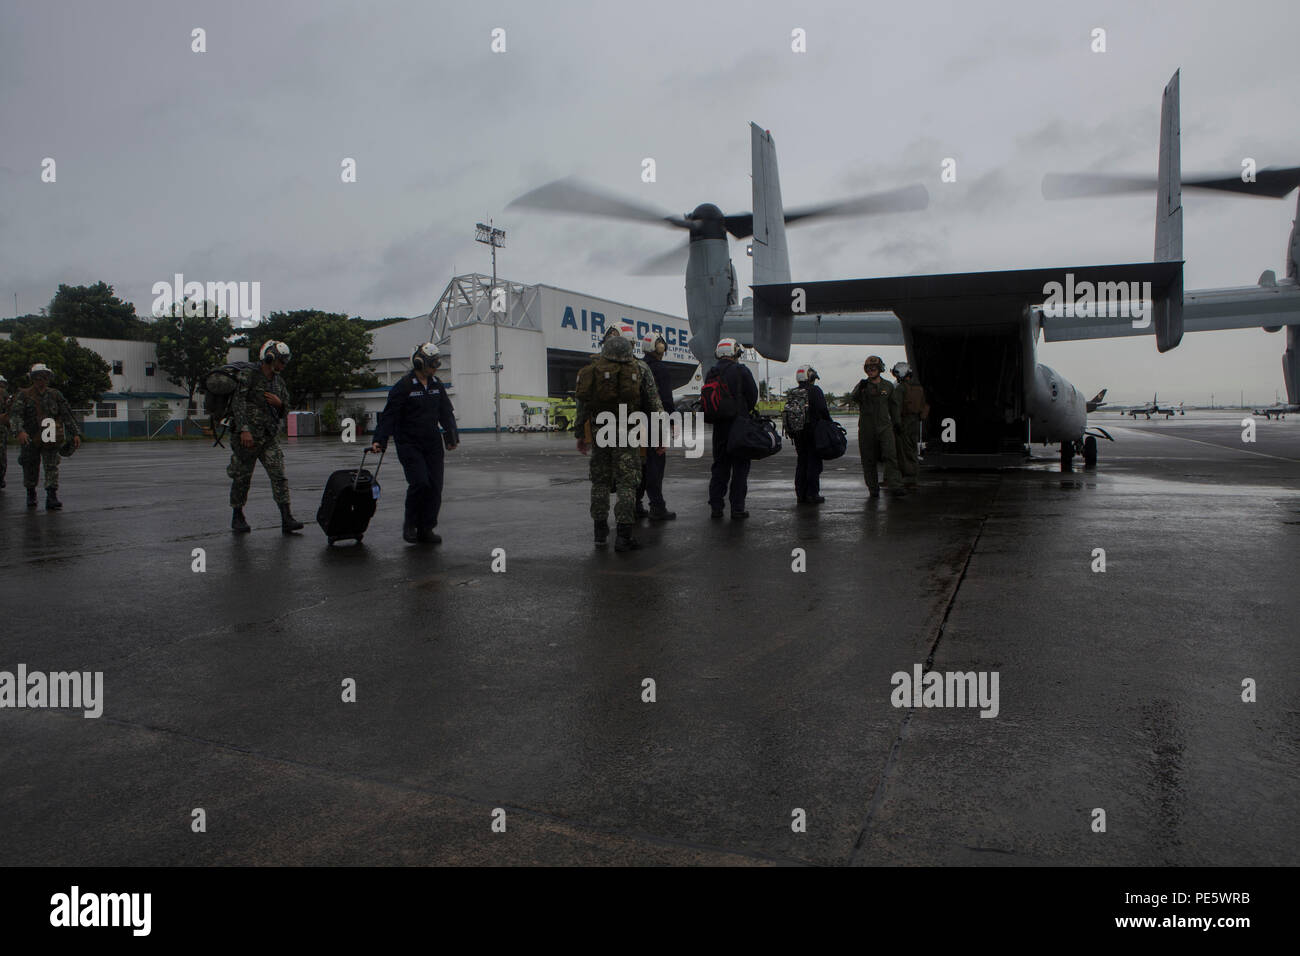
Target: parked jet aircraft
x,y
971,337
1153,407
1279,409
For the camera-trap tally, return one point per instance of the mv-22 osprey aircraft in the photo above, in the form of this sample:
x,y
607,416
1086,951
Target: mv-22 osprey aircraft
x,y
971,337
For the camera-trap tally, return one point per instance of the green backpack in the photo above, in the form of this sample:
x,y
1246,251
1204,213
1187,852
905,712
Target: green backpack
x,y
604,385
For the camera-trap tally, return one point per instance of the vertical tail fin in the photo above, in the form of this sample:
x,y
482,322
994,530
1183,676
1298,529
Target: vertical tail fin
x,y
771,257
1169,219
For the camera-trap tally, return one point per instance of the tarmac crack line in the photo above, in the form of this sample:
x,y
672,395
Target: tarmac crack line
x,y
891,761
528,812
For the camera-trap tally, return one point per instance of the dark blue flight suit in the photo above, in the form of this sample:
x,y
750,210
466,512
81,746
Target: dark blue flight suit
x,y
412,416
729,470
808,464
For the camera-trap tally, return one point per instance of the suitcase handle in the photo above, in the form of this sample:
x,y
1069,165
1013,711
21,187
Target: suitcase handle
x,y
365,451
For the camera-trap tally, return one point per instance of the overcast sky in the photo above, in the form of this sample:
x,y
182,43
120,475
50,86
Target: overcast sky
x,y
225,165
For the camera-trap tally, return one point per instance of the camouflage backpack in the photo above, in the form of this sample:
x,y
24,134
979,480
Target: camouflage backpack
x,y
604,385
796,412
218,386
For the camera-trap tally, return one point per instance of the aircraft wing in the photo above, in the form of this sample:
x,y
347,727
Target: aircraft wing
x,y
867,328
1205,310
957,291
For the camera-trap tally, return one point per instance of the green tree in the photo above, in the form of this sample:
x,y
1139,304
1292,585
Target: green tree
x,y
93,311
279,326
762,391
330,355
190,346
79,373
330,352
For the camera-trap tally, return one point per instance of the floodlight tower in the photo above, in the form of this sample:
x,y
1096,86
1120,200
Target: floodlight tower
x,y
496,238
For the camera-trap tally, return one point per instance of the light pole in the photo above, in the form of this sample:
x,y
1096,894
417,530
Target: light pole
x,y
496,238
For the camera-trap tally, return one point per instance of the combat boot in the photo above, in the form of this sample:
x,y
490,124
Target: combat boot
x,y
602,532
410,534
662,514
427,536
31,497
237,522
52,502
641,512
288,523
625,541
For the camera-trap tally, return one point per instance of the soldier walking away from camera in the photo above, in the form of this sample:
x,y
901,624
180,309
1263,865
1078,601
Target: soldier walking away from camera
x,y
730,474
42,421
876,426
419,415
910,409
614,379
803,410
6,401
258,405
656,459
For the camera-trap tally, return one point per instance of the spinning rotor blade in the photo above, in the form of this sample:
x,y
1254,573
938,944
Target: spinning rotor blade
x,y
672,262
574,196
906,199
1269,183
912,198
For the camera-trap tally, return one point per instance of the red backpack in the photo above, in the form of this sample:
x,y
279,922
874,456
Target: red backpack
x,y
718,402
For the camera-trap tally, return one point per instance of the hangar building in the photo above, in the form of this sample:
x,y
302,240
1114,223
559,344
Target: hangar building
x,y
545,336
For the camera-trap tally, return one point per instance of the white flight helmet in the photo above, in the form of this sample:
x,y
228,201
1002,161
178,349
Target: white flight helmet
x,y
727,348
650,342
806,374
901,370
274,351
426,356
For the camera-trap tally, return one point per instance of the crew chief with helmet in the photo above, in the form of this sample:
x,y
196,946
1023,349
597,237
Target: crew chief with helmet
x,y
260,401
729,477
417,405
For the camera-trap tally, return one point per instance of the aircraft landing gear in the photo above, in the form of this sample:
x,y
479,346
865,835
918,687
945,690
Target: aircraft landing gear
x,y
1067,456
1090,453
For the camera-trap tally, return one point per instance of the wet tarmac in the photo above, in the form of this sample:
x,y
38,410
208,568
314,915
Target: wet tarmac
x,y
523,691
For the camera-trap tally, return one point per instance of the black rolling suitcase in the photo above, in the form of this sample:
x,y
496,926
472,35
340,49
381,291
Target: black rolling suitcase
x,y
349,502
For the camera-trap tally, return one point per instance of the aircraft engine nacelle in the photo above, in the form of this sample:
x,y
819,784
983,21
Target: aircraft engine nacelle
x,y
1057,410
710,286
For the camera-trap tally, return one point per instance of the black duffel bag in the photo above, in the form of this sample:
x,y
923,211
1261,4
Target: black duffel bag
x,y
830,439
753,436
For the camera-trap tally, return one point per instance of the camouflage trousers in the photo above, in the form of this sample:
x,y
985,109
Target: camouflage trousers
x,y
241,465
31,456
619,468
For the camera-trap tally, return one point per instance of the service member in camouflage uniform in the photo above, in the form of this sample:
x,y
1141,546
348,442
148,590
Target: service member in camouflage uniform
x,y
5,402
876,425
32,408
256,410
910,409
617,464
